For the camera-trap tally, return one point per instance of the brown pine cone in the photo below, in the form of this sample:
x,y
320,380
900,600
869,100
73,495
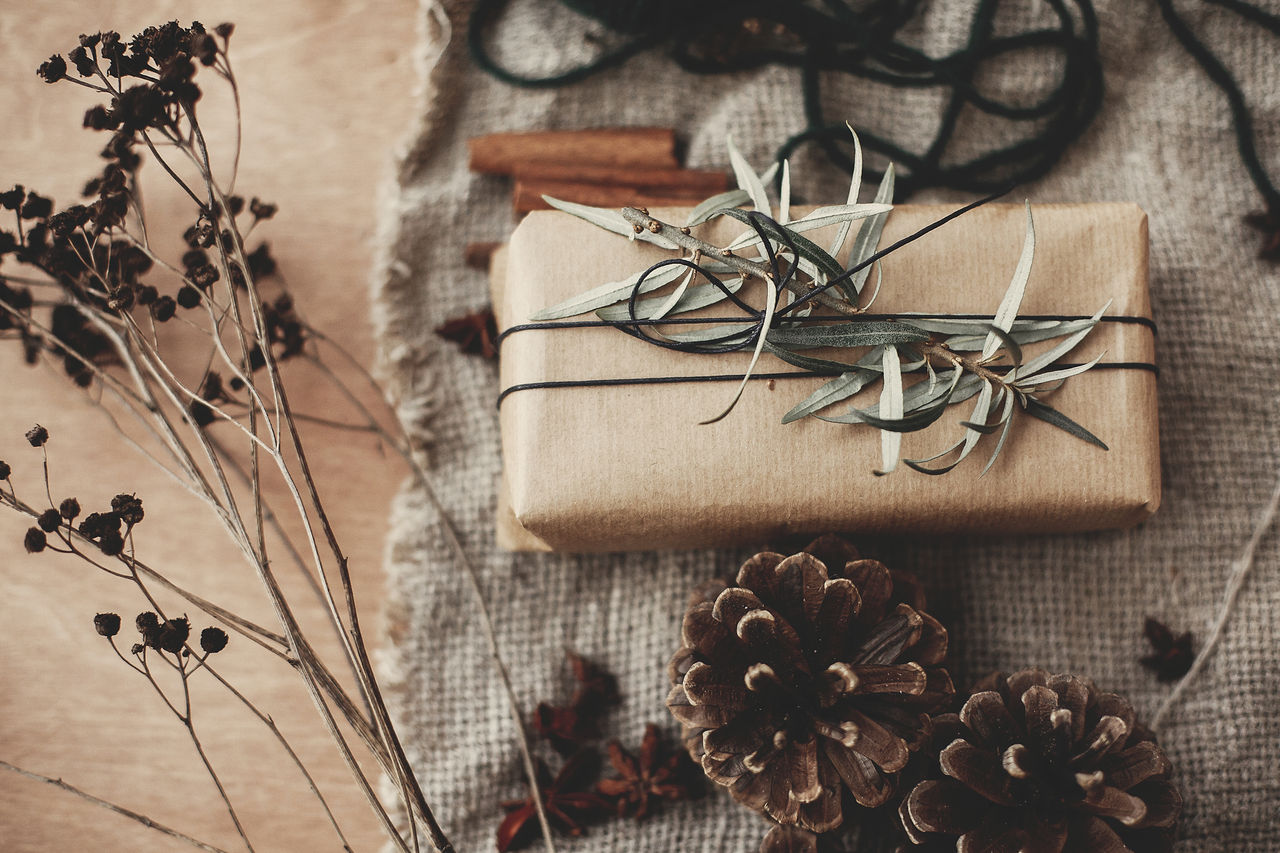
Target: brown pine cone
x,y
802,679
1039,762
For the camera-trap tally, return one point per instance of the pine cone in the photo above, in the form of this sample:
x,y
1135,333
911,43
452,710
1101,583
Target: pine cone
x,y
1042,762
801,680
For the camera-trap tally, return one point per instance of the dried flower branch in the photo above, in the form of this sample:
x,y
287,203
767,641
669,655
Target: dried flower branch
x,y
795,274
92,296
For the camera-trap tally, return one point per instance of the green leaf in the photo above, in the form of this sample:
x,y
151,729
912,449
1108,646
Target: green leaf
x,y
1052,416
833,391
718,331
784,194
814,365
805,247
914,420
771,305
860,333
869,235
855,186
1058,375
607,294
748,179
693,298
1006,417
1008,309
608,219
891,407
1040,362
716,206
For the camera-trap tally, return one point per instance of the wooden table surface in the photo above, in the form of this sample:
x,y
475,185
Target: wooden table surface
x,y
327,89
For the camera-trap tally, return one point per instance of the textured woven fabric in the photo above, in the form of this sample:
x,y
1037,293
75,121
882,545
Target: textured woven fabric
x,y
1068,603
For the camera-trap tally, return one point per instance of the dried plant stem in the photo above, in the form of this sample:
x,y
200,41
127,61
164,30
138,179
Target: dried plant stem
x,y
638,218
113,807
285,745
401,446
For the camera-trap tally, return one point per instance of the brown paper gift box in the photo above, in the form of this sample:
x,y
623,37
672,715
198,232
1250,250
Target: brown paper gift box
x,y
630,468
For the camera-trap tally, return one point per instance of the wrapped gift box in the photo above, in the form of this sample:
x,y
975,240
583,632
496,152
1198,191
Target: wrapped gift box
x,y
628,467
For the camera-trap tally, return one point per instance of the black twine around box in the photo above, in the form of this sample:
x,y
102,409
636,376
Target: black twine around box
x,y
742,339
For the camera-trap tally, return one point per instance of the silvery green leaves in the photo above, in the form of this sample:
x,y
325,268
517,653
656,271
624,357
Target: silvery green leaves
x,y
918,366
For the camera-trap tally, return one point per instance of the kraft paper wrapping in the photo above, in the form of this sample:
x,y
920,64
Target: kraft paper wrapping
x,y
629,467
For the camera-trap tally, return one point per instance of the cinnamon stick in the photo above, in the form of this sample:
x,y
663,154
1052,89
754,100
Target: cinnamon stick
x,y
528,196
639,147
697,181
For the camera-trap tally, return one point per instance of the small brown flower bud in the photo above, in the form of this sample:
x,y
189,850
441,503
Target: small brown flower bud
x,y
107,624
655,226
37,436
53,70
129,508
225,30
49,520
261,209
163,309
36,207
188,297
111,543
213,640
5,471
173,635
34,540
137,648
686,230
638,229
69,509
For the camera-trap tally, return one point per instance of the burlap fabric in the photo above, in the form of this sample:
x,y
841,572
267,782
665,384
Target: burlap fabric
x,y
1069,603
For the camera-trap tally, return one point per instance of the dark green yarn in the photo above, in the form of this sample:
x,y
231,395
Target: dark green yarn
x,y
861,39
1241,117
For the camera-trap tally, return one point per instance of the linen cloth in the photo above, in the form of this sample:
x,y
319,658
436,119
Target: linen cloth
x,y
1068,603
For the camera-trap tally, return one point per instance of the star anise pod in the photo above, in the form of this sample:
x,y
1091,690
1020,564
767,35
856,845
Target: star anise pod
x,y
475,333
1267,222
568,799
657,773
1171,656
567,727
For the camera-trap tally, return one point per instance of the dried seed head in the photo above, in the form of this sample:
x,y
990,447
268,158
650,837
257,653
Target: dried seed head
x,y
69,509
213,640
163,309
49,520
188,297
111,544
107,624
128,508
53,70
34,541
173,635
37,436
5,470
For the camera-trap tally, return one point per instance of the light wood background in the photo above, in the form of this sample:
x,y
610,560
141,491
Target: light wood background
x,y
326,88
